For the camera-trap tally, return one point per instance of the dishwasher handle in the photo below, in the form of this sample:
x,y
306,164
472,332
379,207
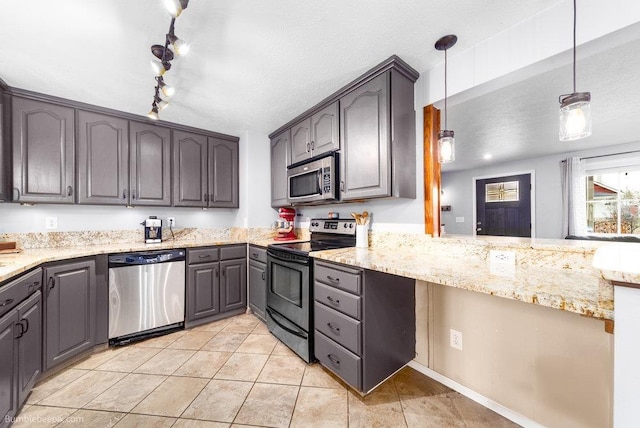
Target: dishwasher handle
x,y
146,258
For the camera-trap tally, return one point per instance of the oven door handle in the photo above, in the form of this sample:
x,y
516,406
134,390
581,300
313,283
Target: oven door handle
x,y
302,261
296,333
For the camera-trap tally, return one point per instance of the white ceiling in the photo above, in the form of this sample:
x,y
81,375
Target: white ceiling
x,y
254,65
521,120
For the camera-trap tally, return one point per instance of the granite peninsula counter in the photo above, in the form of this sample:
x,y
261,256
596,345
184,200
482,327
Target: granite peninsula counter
x,y
551,273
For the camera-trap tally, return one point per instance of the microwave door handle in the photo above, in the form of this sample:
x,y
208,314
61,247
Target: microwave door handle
x,y
320,182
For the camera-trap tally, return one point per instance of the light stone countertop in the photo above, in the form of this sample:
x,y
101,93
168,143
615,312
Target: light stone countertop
x,y
14,264
558,286
619,262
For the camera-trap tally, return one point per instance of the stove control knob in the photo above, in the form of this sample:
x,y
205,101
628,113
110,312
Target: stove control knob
x,y
344,225
351,225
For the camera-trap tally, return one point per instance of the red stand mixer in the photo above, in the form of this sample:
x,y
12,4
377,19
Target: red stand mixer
x,y
285,227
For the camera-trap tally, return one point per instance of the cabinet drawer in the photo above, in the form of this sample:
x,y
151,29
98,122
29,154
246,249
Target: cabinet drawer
x,y
19,289
202,255
233,252
347,281
258,253
339,300
338,360
339,327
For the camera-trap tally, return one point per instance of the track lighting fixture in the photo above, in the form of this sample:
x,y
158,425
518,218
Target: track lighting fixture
x,y
446,140
164,55
575,108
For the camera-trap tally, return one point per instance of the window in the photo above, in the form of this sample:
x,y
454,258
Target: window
x,y
506,191
613,201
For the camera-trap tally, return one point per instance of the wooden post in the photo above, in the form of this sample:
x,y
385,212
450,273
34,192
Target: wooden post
x,y
431,127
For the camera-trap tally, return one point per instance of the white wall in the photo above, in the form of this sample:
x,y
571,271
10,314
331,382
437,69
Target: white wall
x,y
457,188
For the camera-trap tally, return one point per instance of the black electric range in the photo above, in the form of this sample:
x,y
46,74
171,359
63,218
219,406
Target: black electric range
x,y
290,282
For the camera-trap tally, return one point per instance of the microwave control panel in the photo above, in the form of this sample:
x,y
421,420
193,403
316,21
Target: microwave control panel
x,y
326,179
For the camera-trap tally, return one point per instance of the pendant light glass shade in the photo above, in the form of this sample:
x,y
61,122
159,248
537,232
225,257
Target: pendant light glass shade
x,y
446,140
575,108
446,147
575,116
179,46
153,114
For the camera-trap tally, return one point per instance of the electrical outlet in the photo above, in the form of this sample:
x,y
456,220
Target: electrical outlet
x,y
455,339
51,223
507,257
171,221
502,263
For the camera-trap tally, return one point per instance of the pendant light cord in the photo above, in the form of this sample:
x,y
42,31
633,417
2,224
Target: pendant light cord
x,y
574,49
445,88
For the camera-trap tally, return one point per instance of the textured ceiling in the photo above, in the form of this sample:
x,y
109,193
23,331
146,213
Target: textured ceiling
x,y
254,65
521,121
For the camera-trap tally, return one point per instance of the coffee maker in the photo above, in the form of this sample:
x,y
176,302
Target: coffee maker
x,y
285,225
152,230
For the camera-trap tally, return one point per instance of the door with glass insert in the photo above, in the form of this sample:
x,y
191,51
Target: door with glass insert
x,y
503,206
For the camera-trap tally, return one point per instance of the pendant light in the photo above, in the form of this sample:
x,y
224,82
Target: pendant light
x,y
575,108
446,140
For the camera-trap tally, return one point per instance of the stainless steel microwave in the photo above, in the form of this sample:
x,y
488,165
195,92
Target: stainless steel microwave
x,y
313,181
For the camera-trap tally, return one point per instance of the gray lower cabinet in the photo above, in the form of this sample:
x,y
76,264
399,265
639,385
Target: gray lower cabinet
x,y
364,323
216,283
205,171
257,280
70,298
150,164
20,341
103,159
43,152
280,153
377,133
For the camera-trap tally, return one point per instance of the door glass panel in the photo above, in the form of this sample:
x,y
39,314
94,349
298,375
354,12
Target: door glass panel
x,y
506,191
286,283
304,184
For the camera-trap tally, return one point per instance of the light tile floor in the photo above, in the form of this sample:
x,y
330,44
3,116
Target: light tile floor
x,y
235,373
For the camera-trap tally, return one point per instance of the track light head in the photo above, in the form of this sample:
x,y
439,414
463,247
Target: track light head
x,y
175,7
180,46
153,114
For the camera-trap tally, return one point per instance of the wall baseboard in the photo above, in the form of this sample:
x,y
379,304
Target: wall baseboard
x,y
478,398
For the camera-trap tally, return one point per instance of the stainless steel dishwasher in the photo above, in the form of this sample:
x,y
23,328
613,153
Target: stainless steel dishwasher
x,y
146,294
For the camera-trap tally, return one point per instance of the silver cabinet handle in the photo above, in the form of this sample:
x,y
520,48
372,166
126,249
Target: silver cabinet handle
x,y
204,256
333,359
133,195
312,146
69,190
308,147
333,328
124,193
342,186
332,279
6,302
263,274
333,301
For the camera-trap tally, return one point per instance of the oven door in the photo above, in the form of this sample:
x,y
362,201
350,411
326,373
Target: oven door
x,y
288,286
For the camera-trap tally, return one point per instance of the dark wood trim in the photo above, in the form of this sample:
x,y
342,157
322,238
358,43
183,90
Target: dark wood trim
x,y
609,326
392,63
625,284
117,113
432,184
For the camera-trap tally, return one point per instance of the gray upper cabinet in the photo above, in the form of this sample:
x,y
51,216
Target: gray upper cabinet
x,y
150,164
315,135
205,171
325,130
377,132
43,152
365,170
279,161
223,173
300,142
70,299
5,195
103,159
189,170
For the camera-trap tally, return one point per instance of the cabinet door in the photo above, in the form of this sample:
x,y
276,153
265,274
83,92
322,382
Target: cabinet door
x,y
5,195
223,173
203,291
29,345
365,170
258,288
189,169
43,152
70,310
233,284
300,141
103,159
8,366
325,130
149,160
279,161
